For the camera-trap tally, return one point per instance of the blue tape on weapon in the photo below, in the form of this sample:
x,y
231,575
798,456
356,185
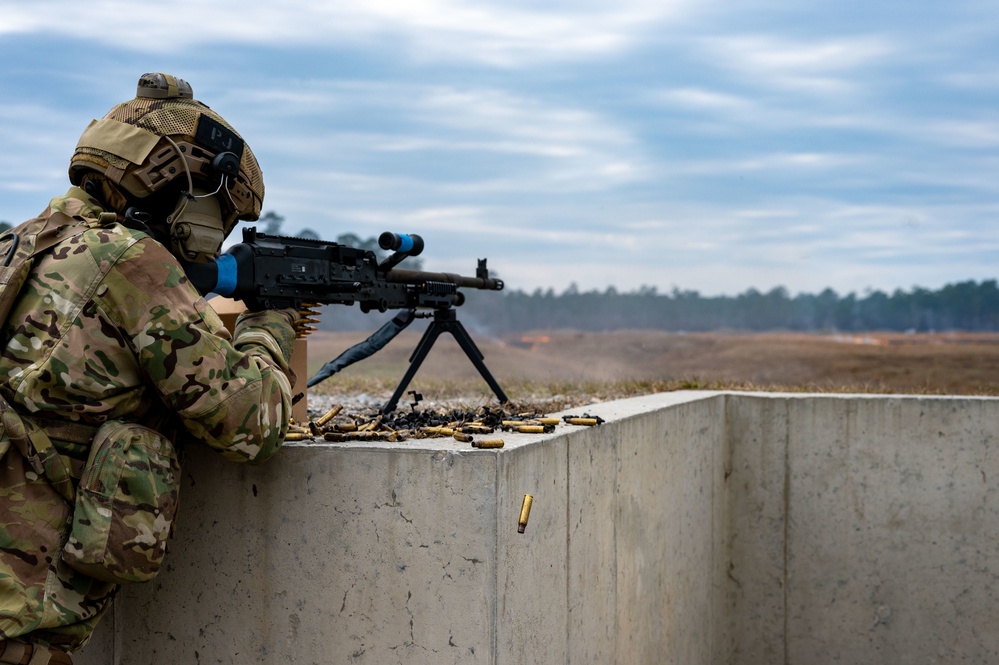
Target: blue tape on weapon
x,y
405,243
226,283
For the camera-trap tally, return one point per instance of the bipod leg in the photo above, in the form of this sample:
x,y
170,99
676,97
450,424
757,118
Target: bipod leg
x,y
444,321
430,336
472,351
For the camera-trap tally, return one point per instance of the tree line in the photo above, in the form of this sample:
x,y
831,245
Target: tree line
x,y
969,305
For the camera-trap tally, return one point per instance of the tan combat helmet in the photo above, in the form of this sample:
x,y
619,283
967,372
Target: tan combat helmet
x,y
165,140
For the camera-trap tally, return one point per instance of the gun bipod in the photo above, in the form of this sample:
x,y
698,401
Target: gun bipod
x,y
444,321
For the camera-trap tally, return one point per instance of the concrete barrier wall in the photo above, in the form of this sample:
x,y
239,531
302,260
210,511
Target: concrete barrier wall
x,y
690,528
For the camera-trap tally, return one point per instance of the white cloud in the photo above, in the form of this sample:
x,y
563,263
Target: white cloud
x,y
702,99
825,66
496,33
557,148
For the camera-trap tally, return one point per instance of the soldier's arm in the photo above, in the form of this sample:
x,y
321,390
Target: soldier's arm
x,y
233,394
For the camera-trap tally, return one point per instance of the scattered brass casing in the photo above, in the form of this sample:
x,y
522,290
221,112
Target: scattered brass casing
x,y
488,443
329,415
525,513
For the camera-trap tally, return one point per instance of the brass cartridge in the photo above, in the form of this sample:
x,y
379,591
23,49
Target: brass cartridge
x,y
488,443
329,415
589,422
371,425
437,431
525,513
477,428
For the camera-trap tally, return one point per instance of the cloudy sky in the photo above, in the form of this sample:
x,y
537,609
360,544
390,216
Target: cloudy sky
x,y
715,146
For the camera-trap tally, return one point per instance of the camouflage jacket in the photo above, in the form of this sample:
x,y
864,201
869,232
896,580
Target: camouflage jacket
x,y
107,327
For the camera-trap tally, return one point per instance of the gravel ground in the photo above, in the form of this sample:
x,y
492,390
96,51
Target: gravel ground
x,y
368,403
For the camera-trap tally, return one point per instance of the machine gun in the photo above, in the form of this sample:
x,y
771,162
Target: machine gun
x,y
274,272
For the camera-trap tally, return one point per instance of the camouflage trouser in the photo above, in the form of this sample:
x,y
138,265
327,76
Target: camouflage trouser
x,y
21,653
41,598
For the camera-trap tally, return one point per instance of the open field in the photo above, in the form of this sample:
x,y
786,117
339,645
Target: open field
x,y
587,366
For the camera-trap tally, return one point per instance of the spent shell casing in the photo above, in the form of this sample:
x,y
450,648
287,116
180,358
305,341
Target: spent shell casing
x,y
464,438
297,436
329,415
371,425
548,421
531,429
477,428
488,443
589,422
437,431
525,513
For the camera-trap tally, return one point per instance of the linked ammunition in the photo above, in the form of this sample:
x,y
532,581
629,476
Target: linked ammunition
x,y
525,513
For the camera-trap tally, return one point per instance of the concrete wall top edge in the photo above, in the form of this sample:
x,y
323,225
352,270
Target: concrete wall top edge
x,y
867,396
612,411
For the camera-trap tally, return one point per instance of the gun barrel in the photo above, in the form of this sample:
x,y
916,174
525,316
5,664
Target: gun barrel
x,y
398,276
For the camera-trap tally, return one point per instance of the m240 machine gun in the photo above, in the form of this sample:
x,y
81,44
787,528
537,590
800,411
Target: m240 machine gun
x,y
274,272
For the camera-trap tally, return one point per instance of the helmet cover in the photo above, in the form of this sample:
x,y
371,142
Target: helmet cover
x,y
165,137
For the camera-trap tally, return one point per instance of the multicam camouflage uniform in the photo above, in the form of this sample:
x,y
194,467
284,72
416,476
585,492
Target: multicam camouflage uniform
x,y
108,328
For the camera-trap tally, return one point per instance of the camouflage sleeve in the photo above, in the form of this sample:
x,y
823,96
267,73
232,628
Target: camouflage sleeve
x,y
234,396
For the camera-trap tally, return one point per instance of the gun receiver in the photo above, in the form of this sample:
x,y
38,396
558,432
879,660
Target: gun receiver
x,y
274,272
277,272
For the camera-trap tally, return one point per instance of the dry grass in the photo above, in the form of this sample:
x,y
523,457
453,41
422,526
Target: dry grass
x,y
577,368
